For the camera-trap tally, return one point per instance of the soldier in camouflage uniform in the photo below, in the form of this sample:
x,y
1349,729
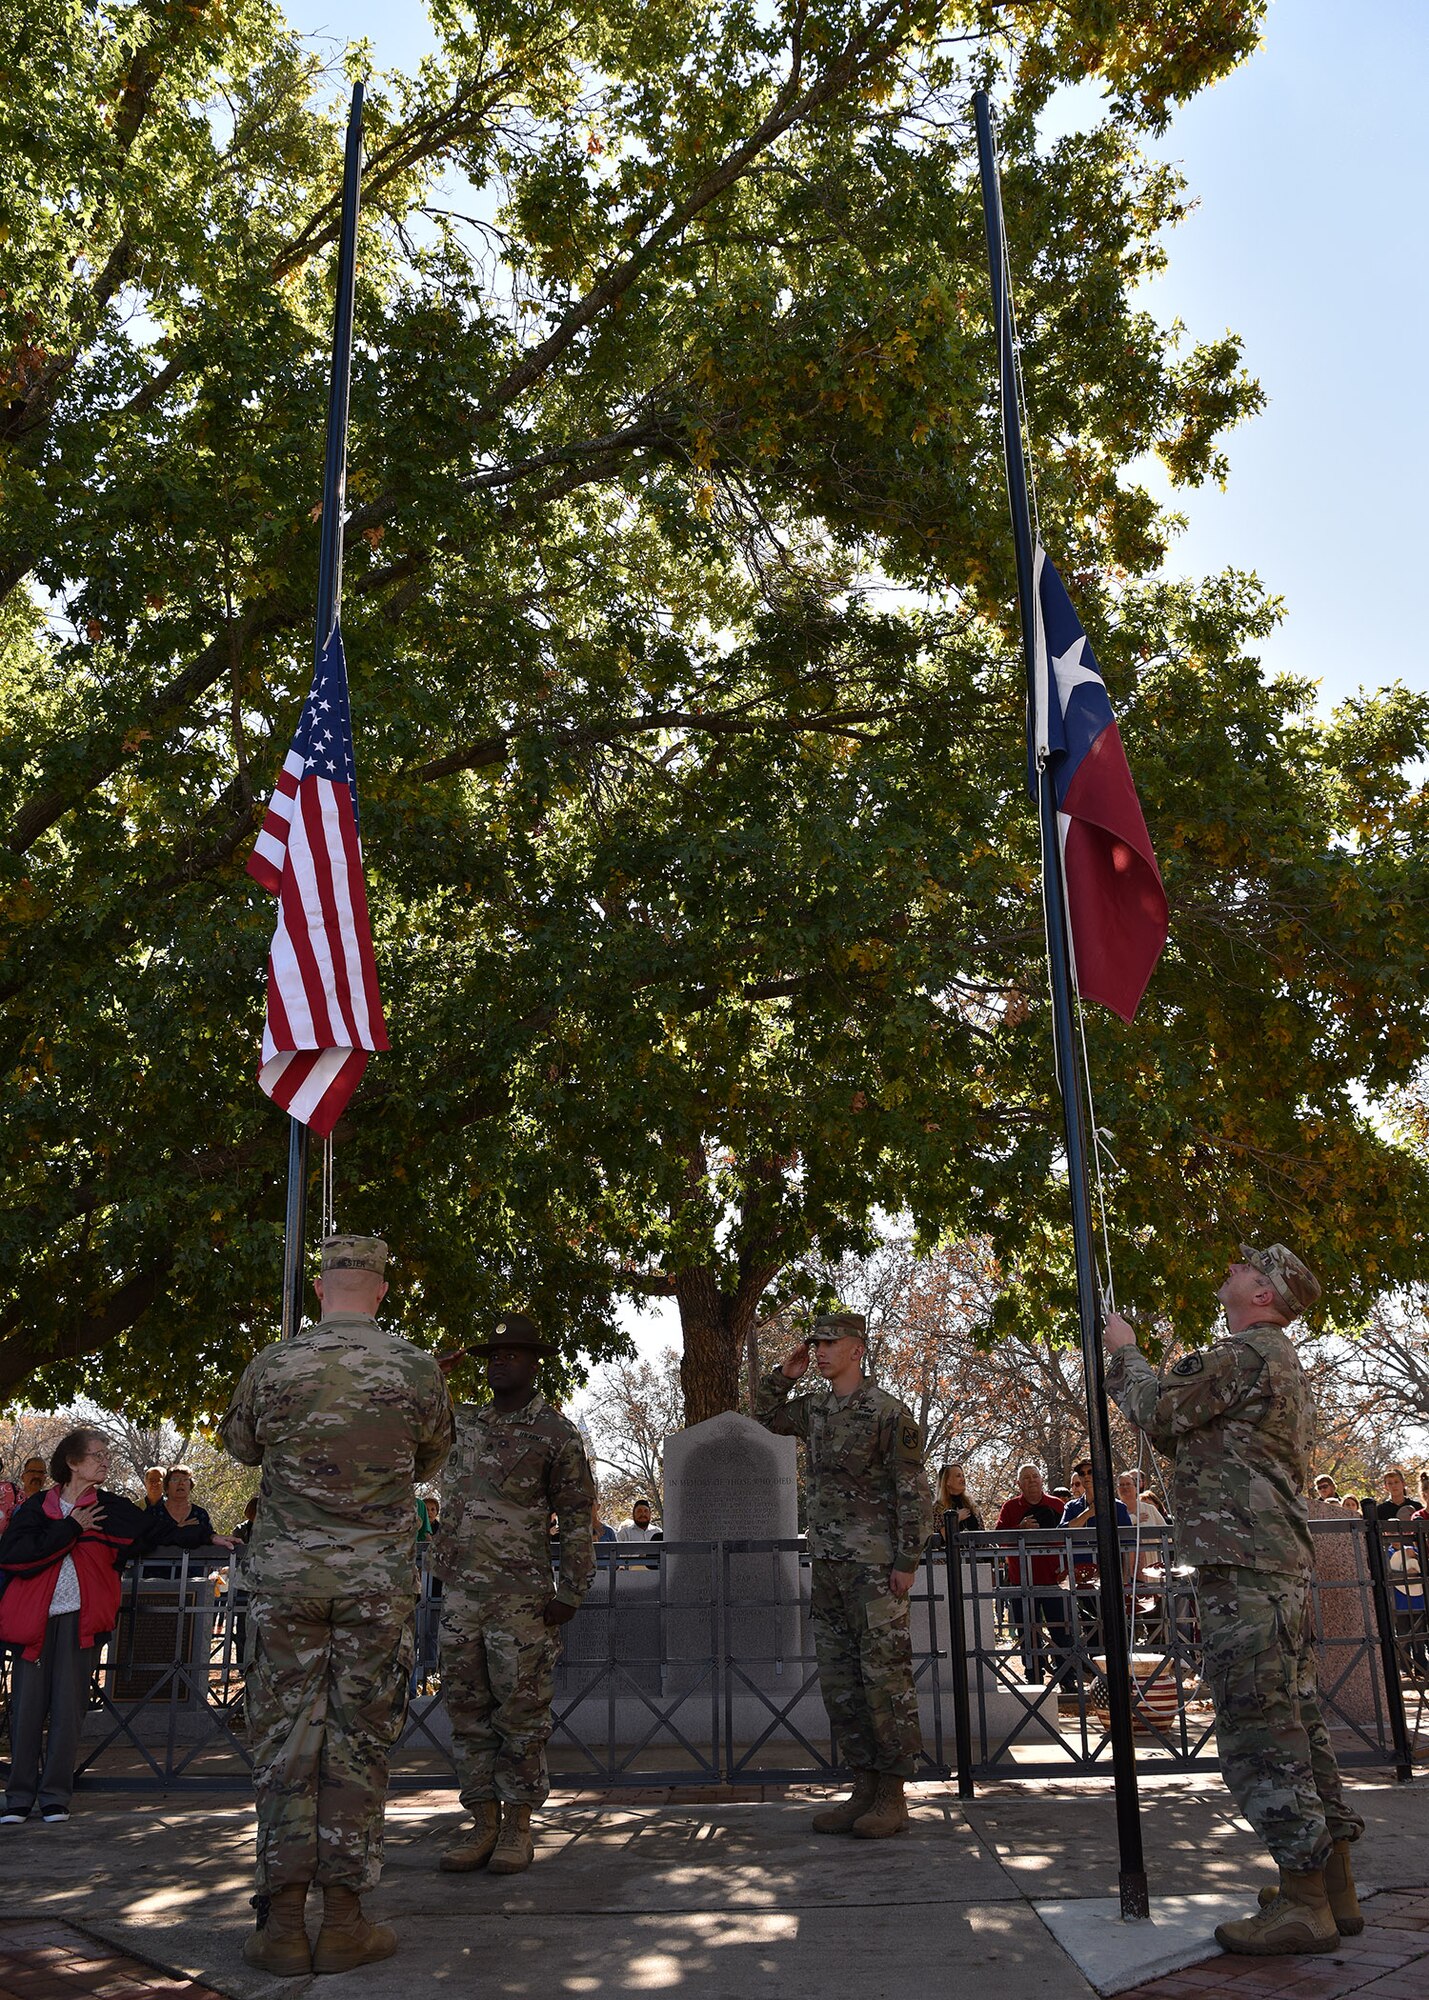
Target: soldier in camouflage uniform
x,y
870,1516
1239,1418
344,1418
517,1461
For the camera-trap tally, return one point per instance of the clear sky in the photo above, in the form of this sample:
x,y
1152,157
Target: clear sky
x,y
1312,176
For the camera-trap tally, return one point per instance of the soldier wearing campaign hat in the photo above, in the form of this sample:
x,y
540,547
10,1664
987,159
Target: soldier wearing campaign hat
x,y
516,1462
344,1418
1239,1418
870,1516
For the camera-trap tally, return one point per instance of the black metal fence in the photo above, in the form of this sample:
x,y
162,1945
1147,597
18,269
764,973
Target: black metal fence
x,y
1034,1679
691,1664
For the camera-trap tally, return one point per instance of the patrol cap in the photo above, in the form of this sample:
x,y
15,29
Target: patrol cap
x,y
354,1253
1293,1283
833,1326
513,1330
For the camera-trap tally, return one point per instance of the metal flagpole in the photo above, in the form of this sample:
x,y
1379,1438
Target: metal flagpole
x,y
1132,1869
329,597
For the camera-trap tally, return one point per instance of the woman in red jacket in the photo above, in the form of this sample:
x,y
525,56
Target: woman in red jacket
x,y
61,1554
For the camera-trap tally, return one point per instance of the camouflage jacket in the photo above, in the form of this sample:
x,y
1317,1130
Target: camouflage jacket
x,y
1239,1418
868,1496
344,1418
504,1480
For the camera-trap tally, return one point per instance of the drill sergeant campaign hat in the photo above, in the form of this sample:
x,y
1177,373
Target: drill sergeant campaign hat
x,y
1293,1283
833,1326
513,1330
354,1253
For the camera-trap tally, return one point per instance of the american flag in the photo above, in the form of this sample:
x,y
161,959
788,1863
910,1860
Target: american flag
x,y
324,1010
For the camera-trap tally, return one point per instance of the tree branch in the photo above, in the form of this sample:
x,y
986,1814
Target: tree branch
x,y
789,109
86,1335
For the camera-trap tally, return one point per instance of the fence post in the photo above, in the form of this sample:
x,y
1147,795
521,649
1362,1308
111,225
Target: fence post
x,y
1389,1652
958,1658
724,1677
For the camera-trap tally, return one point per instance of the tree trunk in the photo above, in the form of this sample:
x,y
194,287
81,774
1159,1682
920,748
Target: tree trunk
x,y
709,1365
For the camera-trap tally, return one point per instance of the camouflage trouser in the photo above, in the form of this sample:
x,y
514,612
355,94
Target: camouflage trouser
x,y
326,1695
865,1656
497,1657
1274,1747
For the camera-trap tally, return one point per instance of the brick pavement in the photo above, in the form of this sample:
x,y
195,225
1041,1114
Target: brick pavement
x,y
42,1960
1389,1961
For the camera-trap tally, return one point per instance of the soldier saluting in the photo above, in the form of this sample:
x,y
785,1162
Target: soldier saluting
x,y
517,1461
1239,1418
344,1419
870,1515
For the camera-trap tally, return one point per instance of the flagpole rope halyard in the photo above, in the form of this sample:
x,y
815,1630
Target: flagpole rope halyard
x,y
1105,1276
329,1195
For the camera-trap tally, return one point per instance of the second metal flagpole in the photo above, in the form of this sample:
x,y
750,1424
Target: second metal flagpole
x,y
1132,1868
329,597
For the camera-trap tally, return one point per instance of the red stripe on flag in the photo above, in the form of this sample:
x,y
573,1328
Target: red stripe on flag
x,y
264,873
324,1114
336,912
362,925
277,1013
299,1068
310,980
333,1102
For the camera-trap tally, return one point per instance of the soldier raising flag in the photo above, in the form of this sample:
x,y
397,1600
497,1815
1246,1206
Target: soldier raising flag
x,y
1239,1419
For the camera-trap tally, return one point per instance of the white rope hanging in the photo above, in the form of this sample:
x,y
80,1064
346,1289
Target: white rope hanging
x,y
328,1197
1105,1276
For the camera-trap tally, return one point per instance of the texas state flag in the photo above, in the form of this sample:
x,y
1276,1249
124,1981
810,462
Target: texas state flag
x,y
1116,905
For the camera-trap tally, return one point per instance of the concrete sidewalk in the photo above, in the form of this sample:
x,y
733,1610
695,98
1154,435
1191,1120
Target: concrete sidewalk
x,y
711,1900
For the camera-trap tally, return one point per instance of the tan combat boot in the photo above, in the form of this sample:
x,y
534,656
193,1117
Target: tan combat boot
x,y
347,1938
515,1849
280,1944
887,1815
1339,1887
473,1849
840,1818
1299,1919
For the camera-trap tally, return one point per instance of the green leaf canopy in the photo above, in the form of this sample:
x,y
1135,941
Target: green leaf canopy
x,y
679,614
